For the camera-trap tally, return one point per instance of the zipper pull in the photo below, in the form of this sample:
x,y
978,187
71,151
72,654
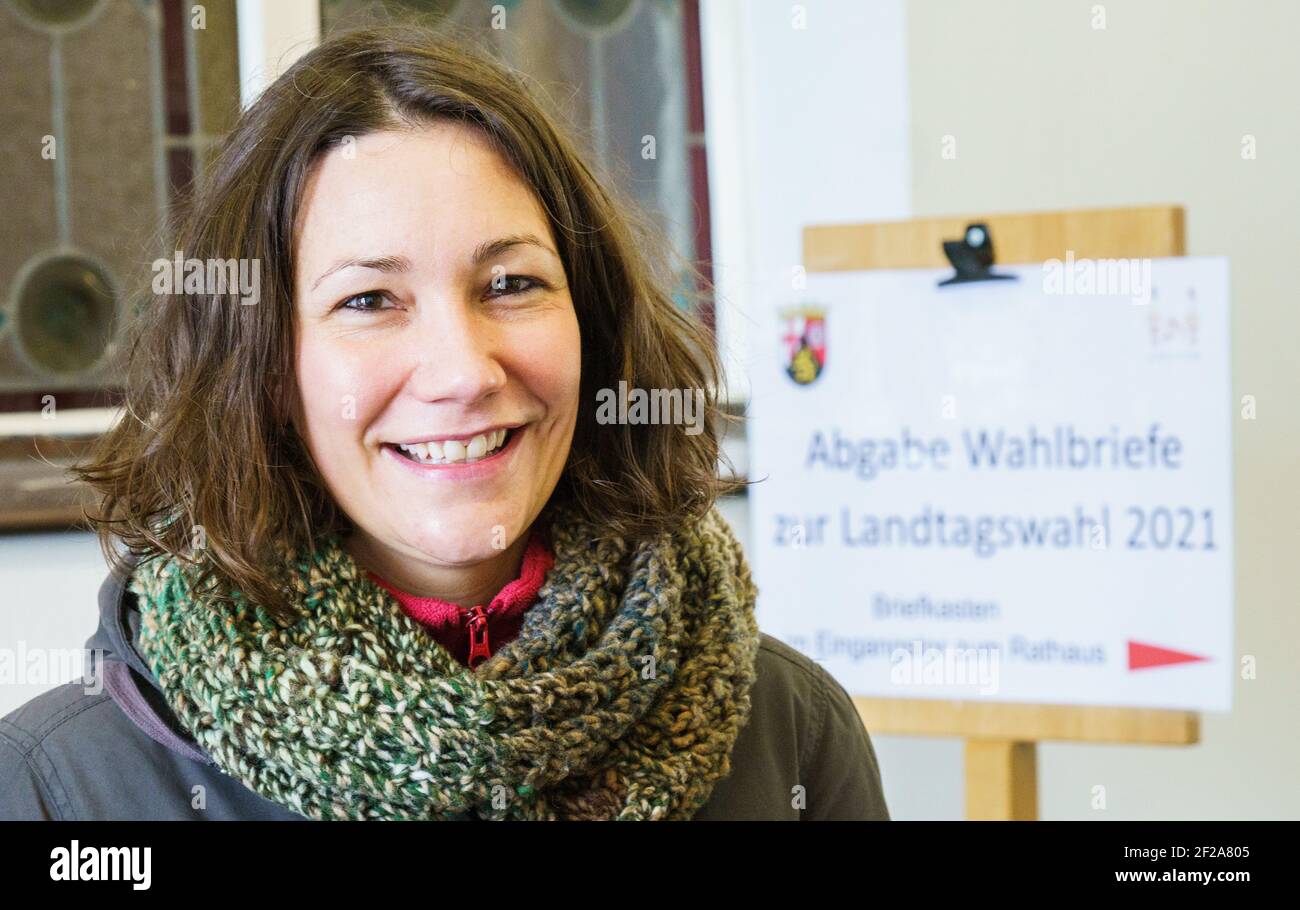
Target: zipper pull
x,y
478,637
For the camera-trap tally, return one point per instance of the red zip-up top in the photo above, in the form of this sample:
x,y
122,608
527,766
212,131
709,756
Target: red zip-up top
x,y
472,634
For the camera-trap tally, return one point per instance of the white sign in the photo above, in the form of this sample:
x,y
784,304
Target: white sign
x,y
1007,490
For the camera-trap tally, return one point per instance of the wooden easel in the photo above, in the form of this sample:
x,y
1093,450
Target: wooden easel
x,y
1002,739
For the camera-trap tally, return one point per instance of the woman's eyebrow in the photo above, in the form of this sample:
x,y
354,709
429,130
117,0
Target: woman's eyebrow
x,y
488,249
388,264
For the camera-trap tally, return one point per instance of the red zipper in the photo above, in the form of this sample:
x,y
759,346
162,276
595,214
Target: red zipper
x,y
478,637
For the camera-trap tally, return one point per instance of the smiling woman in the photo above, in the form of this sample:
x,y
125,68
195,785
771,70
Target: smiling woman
x,y
438,307
383,559
437,262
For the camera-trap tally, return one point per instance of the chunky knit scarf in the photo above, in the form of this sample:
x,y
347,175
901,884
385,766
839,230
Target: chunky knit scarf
x,y
621,697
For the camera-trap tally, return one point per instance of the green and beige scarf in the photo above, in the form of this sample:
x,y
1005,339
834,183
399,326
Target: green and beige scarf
x,y
621,697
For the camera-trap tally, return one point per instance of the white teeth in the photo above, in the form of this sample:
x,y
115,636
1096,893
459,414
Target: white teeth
x,y
456,451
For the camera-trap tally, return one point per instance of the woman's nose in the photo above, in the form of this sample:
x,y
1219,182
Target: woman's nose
x,y
455,356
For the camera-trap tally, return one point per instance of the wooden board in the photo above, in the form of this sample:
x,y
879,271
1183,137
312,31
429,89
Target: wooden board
x,y
1015,721
1152,232
1001,756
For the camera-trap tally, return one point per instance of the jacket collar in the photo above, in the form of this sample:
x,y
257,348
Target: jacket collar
x,y
113,656
119,623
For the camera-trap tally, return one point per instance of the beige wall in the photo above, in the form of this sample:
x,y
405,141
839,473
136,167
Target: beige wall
x,y
1049,112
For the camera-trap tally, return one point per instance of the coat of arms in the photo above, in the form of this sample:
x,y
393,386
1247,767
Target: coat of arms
x,y
805,343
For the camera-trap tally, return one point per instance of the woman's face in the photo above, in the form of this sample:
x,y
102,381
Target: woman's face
x,y
432,307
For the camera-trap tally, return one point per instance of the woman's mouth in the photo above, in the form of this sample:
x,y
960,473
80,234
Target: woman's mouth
x,y
450,452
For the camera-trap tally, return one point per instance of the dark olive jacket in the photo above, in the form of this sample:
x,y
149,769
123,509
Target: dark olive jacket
x,y
112,749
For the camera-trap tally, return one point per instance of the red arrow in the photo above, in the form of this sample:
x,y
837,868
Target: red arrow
x,y
1142,656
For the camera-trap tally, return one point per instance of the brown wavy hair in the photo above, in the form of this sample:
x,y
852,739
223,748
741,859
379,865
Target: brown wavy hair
x,y
204,440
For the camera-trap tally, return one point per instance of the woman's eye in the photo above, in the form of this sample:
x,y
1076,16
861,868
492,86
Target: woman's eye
x,y
376,296
509,285
505,286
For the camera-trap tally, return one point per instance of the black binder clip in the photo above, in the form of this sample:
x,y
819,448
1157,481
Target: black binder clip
x,y
972,257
